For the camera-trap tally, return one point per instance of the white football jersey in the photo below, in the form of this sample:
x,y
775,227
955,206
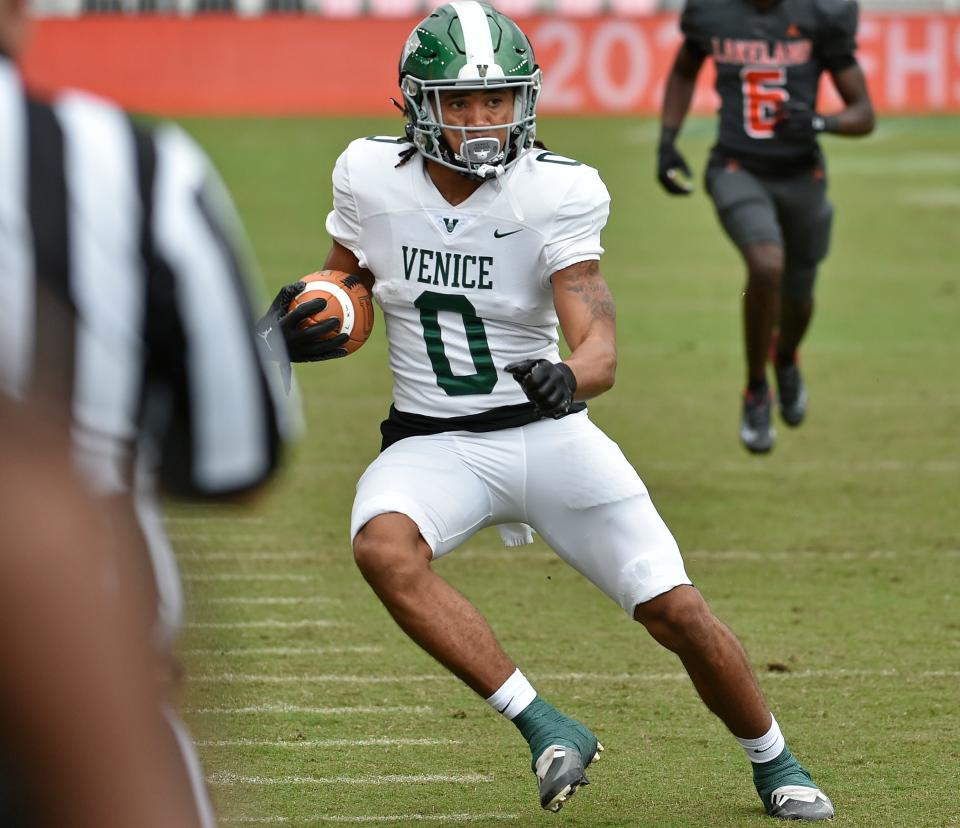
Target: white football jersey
x,y
464,290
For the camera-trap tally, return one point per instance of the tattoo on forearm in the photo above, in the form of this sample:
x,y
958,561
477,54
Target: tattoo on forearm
x,y
585,279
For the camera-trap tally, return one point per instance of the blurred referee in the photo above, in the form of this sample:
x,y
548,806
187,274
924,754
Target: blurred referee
x,y
125,313
83,738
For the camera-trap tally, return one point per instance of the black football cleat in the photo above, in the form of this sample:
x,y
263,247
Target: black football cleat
x,y
756,431
791,394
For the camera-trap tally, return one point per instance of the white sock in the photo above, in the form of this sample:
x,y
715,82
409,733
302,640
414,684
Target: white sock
x,y
514,696
768,747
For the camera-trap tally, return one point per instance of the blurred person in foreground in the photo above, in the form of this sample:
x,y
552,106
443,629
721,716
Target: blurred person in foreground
x,y
83,740
125,315
766,174
478,242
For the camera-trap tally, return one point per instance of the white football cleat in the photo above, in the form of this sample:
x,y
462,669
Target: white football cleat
x,y
560,771
800,802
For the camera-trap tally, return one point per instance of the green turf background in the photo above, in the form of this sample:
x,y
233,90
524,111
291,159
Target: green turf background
x,y
836,559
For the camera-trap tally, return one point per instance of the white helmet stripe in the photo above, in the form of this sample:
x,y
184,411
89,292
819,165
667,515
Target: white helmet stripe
x,y
476,33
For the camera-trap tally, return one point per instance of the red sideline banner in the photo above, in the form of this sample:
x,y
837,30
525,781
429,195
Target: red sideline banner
x,y
281,65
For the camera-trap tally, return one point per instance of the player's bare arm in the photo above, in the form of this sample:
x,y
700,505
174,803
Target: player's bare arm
x,y
673,172
680,86
857,117
587,315
343,259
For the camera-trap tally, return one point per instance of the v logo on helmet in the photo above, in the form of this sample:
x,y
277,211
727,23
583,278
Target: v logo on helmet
x,y
462,46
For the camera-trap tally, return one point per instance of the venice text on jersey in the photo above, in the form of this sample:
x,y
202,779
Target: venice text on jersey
x,y
457,270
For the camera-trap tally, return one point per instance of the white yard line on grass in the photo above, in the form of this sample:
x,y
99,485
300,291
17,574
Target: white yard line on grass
x,y
213,519
240,678
269,623
269,600
257,710
240,556
284,651
825,555
371,819
221,538
931,197
227,778
889,165
865,467
792,555
260,678
248,576
317,743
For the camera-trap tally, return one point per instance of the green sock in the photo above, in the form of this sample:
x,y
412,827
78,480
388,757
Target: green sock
x,y
784,770
542,725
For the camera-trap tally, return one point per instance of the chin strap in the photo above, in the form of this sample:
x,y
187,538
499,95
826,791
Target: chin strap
x,y
488,171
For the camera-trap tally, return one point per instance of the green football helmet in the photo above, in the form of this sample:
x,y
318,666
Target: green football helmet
x,y
468,45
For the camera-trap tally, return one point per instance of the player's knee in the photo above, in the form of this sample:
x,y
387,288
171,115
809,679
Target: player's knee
x,y
765,266
677,619
799,279
386,554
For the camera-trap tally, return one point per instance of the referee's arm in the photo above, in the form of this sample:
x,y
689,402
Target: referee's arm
x,y
226,416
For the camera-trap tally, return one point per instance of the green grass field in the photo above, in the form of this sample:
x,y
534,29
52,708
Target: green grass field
x,y
836,559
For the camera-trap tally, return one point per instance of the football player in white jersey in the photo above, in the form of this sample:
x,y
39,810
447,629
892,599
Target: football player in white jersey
x,y
477,242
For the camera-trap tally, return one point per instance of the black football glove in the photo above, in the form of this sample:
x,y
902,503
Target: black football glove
x,y
796,121
309,344
672,171
549,386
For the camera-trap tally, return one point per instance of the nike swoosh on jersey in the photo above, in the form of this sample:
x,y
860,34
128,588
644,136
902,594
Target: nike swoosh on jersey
x,y
498,235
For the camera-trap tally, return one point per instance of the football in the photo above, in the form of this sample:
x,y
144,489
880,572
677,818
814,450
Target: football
x,y
347,299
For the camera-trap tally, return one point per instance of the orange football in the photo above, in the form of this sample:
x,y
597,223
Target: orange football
x,y
347,299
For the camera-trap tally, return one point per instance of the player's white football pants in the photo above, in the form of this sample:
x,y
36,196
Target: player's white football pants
x,y
565,478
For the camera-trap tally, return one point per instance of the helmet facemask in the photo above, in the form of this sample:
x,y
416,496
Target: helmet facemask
x,y
467,46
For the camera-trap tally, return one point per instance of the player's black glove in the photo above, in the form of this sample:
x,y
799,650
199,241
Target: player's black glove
x,y
796,121
308,344
548,385
672,171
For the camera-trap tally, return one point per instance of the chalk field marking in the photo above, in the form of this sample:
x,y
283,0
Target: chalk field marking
x,y
225,778
259,710
278,651
371,819
270,623
827,556
865,467
791,555
258,678
732,554
205,537
888,165
320,743
239,678
931,197
270,600
188,519
251,576
242,557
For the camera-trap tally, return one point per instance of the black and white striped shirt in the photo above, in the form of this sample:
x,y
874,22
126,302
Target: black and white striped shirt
x,y
123,291
125,305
